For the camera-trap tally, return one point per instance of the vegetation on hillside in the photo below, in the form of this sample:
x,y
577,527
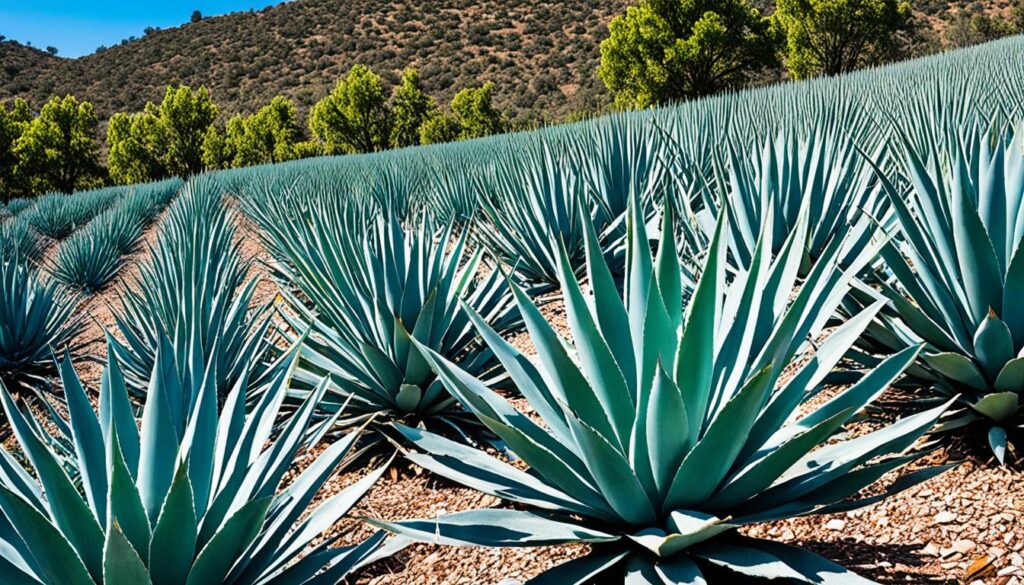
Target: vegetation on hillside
x,y
541,56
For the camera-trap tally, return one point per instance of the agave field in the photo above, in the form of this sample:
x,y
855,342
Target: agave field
x,y
772,336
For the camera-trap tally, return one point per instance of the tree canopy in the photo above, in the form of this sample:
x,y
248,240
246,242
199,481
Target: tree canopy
x,y
665,50
410,108
835,36
57,150
355,116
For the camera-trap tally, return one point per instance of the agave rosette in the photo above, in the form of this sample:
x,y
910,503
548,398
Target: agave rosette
x,y
957,276
366,288
184,495
532,206
37,318
665,428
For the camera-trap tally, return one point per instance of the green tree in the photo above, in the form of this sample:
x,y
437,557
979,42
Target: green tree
x,y
477,116
136,144
355,116
439,128
410,108
836,36
665,50
217,151
13,122
185,115
57,150
268,136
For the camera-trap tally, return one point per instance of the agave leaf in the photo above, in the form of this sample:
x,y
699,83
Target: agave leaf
x,y
489,475
222,551
751,561
121,564
88,440
1013,290
159,435
710,459
51,550
494,527
609,312
665,432
1011,377
124,504
67,508
582,570
597,361
979,267
997,441
993,345
686,528
997,407
174,535
957,367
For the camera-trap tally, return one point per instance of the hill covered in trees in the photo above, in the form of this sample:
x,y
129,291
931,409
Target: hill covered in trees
x,y
541,55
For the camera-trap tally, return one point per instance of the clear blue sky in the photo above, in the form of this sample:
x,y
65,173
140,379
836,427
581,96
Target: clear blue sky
x,y
77,27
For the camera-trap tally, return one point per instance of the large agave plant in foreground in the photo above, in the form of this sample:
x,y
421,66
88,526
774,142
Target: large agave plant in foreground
x,y
374,287
958,278
666,429
188,497
36,319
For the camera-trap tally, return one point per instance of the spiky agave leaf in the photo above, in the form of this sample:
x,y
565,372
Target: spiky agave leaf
x,y
195,287
821,171
957,272
665,428
189,495
36,319
366,288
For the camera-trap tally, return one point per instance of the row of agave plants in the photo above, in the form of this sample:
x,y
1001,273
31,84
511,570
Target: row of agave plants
x,y
727,284
40,298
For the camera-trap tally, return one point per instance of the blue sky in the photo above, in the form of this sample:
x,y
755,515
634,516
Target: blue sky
x,y
77,27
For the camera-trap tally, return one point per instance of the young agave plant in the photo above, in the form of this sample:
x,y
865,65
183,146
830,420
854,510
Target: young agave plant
x,y
373,289
666,429
189,496
958,277
36,319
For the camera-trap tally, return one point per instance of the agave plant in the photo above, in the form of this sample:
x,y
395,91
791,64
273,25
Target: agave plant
x,y
373,288
534,204
92,257
822,171
36,319
666,428
195,287
17,205
957,277
57,215
18,242
188,496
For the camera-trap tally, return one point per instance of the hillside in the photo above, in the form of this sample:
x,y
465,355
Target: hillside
x,y
542,55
